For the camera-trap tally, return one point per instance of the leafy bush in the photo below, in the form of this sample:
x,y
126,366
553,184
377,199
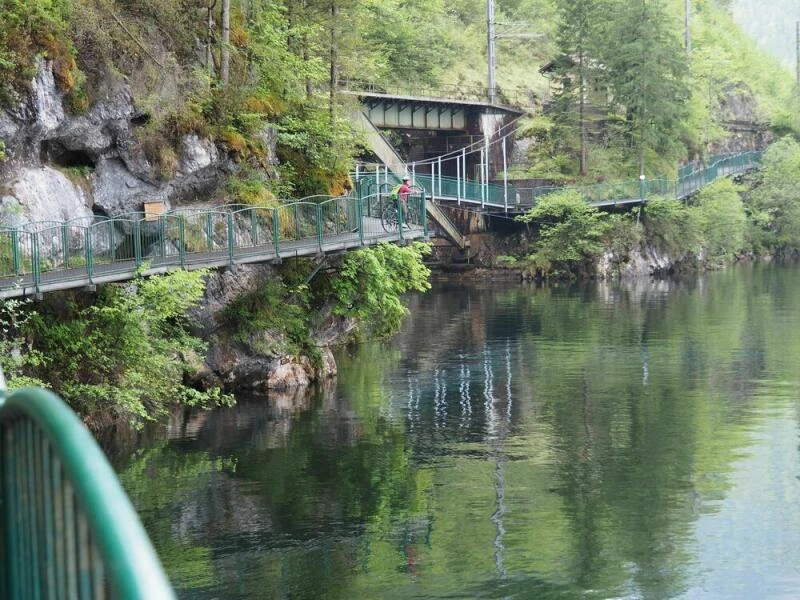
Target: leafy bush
x,y
371,281
276,309
722,220
623,235
671,226
506,261
570,233
117,358
775,202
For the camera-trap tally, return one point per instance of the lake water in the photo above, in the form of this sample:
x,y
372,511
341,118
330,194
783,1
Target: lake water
x,y
634,440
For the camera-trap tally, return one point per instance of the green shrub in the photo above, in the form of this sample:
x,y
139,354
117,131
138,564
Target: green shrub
x,y
569,233
276,309
774,204
371,282
506,261
671,226
115,359
622,236
722,220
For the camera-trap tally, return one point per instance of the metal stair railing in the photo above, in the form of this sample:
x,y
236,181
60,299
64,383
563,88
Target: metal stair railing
x,y
68,528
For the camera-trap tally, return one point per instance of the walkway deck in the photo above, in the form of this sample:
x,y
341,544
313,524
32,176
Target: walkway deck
x,y
49,257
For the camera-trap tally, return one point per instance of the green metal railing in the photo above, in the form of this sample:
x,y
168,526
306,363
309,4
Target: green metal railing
x,y
687,183
496,195
45,252
68,529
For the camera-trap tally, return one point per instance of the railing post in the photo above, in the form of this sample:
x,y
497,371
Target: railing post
x,y
483,178
296,222
162,242
463,172
319,226
424,215
65,245
37,275
230,238
89,255
15,250
182,241
275,231
458,180
209,233
254,227
505,176
641,188
360,218
137,242
440,176
112,241
400,218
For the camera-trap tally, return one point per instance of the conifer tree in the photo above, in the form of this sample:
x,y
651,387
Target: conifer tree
x,y
576,66
647,70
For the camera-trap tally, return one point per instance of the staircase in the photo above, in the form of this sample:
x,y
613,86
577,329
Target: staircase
x,y
387,154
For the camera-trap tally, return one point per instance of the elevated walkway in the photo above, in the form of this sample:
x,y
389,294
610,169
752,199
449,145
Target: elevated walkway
x,y
510,199
49,256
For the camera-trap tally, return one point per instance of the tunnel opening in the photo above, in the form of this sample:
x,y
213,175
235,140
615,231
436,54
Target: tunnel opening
x,y
53,152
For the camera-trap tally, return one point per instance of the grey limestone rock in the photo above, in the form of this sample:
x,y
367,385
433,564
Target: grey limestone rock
x,y
117,191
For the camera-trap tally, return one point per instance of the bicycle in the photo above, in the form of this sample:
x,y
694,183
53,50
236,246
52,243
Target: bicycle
x,y
390,213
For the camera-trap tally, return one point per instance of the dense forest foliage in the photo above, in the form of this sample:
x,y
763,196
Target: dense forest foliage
x,y
621,93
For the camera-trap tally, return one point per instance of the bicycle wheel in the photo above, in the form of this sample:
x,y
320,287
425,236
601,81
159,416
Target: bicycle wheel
x,y
389,216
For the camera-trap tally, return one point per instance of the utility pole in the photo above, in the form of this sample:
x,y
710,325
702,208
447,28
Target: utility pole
x,y
491,38
225,52
688,22
797,52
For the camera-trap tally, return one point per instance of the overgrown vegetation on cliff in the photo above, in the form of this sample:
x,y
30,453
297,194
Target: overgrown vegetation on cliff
x,y
723,221
620,93
365,286
126,354
116,357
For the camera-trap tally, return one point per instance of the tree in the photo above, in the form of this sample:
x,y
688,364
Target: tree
x,y
225,52
570,233
775,202
722,220
578,44
117,358
371,281
647,69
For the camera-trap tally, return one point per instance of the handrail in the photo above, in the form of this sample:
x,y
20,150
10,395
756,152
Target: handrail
x,y
69,530
59,255
499,195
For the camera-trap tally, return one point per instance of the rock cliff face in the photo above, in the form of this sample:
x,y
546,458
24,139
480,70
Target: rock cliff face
x,y
92,164
63,167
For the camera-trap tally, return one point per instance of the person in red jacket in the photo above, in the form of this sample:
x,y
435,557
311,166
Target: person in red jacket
x,y
404,191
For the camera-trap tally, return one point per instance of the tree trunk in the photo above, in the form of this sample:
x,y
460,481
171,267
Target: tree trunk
x,y
225,53
334,58
582,111
210,39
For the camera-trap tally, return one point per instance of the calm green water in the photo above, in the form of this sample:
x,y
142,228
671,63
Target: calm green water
x,y
601,441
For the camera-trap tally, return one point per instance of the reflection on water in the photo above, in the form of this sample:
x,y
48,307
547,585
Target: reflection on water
x,y
633,441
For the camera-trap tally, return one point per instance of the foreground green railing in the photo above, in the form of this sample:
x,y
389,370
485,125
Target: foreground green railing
x,y
44,252
68,529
